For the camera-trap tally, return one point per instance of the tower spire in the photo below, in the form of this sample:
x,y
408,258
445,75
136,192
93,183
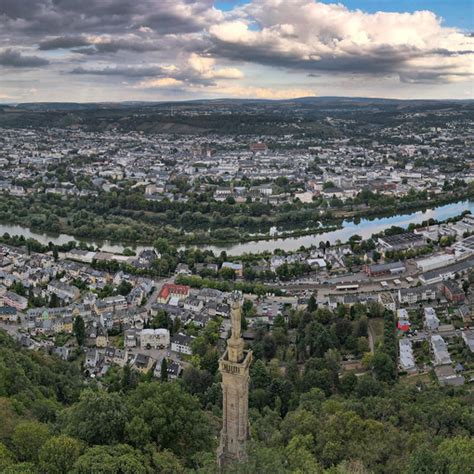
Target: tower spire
x,y
235,344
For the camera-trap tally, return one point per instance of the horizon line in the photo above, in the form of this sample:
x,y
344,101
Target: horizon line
x,y
237,99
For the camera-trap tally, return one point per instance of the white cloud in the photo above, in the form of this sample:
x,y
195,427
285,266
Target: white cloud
x,y
190,46
205,67
228,73
161,82
310,35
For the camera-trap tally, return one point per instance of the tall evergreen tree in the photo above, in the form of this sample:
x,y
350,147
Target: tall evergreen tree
x,y
164,370
79,329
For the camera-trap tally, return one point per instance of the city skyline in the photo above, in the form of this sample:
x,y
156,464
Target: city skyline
x,y
120,50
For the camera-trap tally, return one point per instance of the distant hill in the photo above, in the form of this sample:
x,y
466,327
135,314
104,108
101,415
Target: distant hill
x,y
307,115
317,100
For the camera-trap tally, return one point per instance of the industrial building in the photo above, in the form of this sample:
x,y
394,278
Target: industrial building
x,y
401,241
437,261
448,272
381,269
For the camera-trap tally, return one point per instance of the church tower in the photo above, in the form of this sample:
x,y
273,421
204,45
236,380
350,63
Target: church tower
x,y
234,367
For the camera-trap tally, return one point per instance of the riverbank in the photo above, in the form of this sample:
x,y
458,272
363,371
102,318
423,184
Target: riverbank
x,y
365,228
60,221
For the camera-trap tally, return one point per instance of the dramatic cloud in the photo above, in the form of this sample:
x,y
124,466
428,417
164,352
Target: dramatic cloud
x,y
205,67
11,58
259,48
313,36
197,70
68,17
61,42
125,71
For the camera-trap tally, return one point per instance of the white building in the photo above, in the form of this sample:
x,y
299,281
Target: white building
x,y
407,360
431,320
130,338
440,350
63,290
182,343
437,261
417,293
154,338
468,338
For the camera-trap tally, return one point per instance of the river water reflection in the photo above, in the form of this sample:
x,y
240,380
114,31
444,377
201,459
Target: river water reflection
x,y
365,228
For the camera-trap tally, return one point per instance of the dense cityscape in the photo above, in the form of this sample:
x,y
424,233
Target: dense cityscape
x,y
347,315
236,237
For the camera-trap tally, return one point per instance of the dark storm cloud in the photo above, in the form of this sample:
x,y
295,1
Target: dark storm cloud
x,y
12,58
128,71
185,74
21,9
130,38
137,45
61,42
70,17
88,51
381,60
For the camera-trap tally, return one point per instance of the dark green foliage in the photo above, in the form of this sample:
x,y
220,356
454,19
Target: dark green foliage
x,y
79,330
174,418
304,417
164,370
98,418
118,459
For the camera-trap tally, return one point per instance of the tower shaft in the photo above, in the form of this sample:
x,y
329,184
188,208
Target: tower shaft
x,y
234,366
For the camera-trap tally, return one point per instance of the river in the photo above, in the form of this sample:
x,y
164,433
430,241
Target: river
x,y
365,228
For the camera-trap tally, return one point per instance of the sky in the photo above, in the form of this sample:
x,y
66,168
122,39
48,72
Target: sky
x,y
155,50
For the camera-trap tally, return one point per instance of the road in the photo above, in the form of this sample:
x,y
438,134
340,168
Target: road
x,y
326,285
371,339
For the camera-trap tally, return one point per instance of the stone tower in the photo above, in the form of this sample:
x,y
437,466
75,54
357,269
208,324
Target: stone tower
x,y
234,367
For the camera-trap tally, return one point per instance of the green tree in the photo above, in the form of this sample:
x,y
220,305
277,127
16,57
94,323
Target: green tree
x,y
117,459
299,455
227,273
28,438
422,461
312,305
175,417
162,246
124,288
455,455
58,454
137,432
54,301
7,459
166,462
164,370
269,346
383,367
79,330
98,418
